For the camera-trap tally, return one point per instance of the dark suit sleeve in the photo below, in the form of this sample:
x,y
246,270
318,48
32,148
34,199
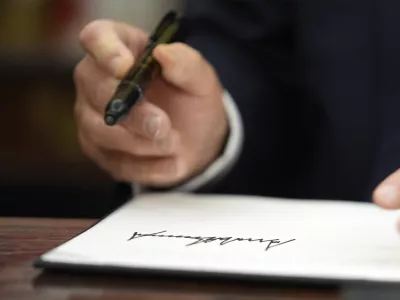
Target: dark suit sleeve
x,y
243,41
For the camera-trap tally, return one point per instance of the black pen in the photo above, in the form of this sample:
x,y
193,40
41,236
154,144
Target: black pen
x,y
133,86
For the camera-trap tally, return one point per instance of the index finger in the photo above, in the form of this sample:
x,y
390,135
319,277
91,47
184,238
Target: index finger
x,y
113,45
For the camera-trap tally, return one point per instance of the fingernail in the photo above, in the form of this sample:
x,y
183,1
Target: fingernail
x,y
388,194
152,126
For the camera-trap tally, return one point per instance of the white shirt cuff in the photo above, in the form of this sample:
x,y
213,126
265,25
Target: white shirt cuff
x,y
224,162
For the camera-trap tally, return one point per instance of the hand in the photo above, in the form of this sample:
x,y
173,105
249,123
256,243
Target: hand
x,y
387,193
174,133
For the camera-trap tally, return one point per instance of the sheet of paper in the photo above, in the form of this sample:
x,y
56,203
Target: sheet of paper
x,y
237,235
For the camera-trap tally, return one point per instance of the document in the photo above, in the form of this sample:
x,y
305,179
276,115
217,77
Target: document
x,y
239,236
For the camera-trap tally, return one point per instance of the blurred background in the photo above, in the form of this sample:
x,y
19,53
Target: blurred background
x,y
43,172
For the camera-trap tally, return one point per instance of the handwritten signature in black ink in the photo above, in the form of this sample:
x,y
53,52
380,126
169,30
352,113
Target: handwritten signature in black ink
x,y
200,239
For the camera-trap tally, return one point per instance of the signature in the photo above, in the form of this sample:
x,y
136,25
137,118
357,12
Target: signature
x,y
205,240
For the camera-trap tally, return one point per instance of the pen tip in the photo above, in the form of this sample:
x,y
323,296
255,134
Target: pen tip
x,y
110,120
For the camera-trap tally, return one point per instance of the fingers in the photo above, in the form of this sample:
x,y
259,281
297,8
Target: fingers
x,y
97,86
93,131
387,194
113,45
155,171
145,119
146,171
144,147
92,151
148,120
185,68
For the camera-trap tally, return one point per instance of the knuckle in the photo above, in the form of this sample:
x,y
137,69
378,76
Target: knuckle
x,y
167,172
87,149
192,55
92,124
93,30
87,124
78,73
82,142
185,47
180,46
77,109
195,57
132,147
80,114
97,121
150,173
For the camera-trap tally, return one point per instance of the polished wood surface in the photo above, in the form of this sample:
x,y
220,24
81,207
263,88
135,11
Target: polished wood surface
x,y
23,240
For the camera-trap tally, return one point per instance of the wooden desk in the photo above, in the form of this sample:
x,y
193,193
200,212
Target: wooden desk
x,y
23,240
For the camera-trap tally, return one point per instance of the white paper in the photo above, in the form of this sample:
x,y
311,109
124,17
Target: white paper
x,y
333,240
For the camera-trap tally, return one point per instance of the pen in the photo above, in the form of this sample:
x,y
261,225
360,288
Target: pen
x,y
133,86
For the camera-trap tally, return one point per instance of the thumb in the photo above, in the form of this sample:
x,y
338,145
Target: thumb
x,y
185,68
387,194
